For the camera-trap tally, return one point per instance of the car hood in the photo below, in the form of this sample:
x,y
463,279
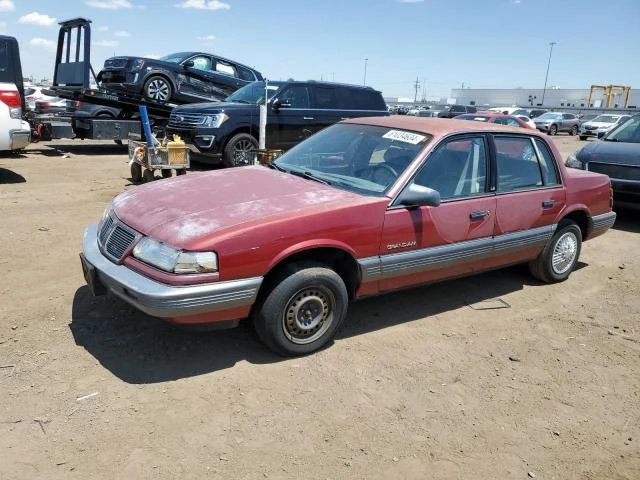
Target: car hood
x,y
183,211
610,152
599,124
216,107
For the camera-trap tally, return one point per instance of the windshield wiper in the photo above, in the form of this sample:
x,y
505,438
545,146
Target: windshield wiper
x,y
308,176
237,100
277,167
610,139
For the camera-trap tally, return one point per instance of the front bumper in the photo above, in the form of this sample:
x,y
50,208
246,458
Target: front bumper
x,y
543,127
592,133
155,298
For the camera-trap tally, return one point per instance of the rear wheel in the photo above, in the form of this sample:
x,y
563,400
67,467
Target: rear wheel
x,y
148,175
166,173
573,131
582,137
558,259
553,129
302,310
239,150
158,89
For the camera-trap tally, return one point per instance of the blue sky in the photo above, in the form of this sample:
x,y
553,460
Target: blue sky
x,y
481,43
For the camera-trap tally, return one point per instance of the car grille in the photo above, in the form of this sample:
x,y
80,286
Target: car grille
x,y
590,127
625,172
114,237
115,63
185,120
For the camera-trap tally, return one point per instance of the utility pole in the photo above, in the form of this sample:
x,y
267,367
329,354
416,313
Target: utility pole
x,y
416,85
364,80
544,90
424,90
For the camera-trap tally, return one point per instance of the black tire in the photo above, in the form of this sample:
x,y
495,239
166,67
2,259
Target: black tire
x,y
544,268
553,129
166,173
238,151
148,176
582,137
157,89
136,172
181,171
280,320
573,131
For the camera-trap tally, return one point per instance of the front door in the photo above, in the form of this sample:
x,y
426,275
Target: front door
x,y
430,243
529,197
288,124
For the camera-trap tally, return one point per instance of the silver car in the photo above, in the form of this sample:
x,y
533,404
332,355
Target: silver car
x,y
554,122
601,125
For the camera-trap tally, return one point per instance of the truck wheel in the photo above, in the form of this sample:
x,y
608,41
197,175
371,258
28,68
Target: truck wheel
x,y
239,150
582,137
166,173
148,175
158,89
573,131
553,129
302,311
559,257
136,172
181,171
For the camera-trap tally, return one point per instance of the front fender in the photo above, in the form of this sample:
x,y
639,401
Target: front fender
x,y
310,245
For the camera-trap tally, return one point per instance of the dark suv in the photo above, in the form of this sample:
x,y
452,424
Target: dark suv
x,y
295,110
450,111
184,77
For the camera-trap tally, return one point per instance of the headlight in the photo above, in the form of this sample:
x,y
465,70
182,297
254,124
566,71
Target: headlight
x,y
573,162
214,121
169,259
137,65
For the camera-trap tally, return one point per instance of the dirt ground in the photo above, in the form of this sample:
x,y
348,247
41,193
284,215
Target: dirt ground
x,y
490,377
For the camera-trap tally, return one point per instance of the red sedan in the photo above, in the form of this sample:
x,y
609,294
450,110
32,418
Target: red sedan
x,y
494,117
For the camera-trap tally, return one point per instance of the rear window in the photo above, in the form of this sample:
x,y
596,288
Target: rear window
x,y
6,63
325,97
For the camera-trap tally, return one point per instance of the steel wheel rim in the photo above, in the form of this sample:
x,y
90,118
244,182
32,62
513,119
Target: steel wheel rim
x,y
308,315
242,152
564,253
158,90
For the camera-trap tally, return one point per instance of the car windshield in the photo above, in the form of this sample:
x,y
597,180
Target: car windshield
x,y
254,93
550,116
175,57
477,118
606,119
364,159
629,132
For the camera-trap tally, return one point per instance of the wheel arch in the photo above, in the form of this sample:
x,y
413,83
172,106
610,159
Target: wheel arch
x,y
246,128
339,258
581,217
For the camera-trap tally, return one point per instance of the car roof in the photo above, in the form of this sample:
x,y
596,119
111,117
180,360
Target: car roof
x,y
438,126
190,54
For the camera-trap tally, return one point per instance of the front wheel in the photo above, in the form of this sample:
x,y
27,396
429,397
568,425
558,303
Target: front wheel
x,y
136,172
573,131
302,311
559,257
553,129
158,89
583,138
239,151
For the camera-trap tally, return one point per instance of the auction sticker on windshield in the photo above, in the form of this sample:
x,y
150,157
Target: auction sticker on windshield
x,y
406,137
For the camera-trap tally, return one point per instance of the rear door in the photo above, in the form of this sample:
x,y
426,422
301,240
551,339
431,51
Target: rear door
x,y
425,244
327,107
529,196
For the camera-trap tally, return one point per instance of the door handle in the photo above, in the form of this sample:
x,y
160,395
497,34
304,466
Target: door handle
x,y
307,118
479,214
548,204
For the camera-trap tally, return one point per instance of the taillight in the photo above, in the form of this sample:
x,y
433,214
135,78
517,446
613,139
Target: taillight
x,y
11,98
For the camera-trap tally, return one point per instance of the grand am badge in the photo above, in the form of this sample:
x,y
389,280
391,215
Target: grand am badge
x,y
393,246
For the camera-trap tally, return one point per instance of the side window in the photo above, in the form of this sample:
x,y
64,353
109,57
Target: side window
x,y
225,68
517,164
201,62
456,169
367,99
246,74
547,164
296,95
345,98
511,122
568,116
325,97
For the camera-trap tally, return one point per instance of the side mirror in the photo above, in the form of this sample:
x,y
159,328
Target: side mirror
x,y
278,104
188,64
418,196
601,134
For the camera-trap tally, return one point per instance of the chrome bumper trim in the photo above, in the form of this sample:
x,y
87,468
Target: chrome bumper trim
x,y
602,223
160,300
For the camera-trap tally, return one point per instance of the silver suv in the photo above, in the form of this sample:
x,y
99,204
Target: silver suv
x,y
554,122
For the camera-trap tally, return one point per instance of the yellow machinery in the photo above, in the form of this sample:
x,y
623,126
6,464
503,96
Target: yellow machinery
x,y
610,92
